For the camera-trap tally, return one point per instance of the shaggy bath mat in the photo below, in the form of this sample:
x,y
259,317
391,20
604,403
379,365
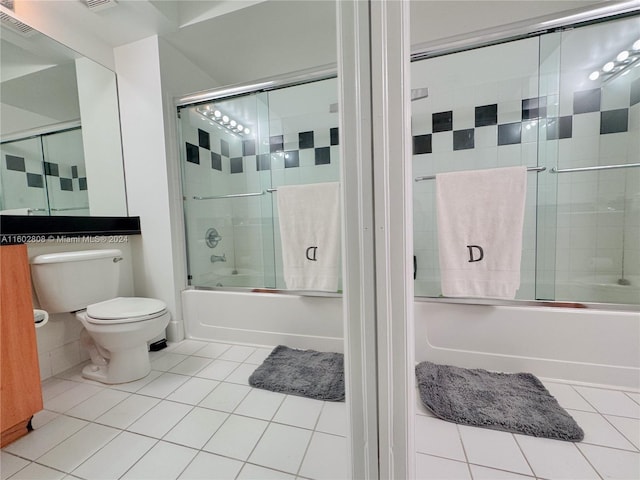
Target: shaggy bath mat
x,y
511,402
306,373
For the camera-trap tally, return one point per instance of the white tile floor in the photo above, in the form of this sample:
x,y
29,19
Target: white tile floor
x,y
610,449
193,417
196,417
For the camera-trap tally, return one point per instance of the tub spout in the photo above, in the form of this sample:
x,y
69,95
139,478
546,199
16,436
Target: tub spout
x,y
218,258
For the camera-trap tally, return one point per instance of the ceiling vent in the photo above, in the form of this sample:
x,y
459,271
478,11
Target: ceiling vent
x,y
16,25
99,5
7,4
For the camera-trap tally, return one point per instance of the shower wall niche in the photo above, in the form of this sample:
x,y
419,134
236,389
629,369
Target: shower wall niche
x,y
235,152
537,102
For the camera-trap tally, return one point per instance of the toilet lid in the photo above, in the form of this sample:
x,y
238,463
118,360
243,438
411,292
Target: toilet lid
x,y
125,307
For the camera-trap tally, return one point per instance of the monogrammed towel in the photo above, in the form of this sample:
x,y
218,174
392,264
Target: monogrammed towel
x,y
480,217
309,217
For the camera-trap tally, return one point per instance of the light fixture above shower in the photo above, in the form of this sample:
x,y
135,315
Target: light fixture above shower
x,y
213,114
620,65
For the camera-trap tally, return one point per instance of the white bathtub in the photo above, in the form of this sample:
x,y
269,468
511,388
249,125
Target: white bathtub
x,y
230,277
576,344
264,319
579,345
605,288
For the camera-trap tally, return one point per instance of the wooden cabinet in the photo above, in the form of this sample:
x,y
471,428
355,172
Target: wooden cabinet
x,y
21,394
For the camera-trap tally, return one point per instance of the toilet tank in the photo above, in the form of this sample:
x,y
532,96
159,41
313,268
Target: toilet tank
x,y
70,281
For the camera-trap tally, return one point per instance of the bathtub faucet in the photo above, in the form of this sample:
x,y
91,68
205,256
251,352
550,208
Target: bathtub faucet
x,y
218,258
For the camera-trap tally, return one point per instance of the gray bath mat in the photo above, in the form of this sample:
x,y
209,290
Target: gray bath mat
x,y
306,373
511,402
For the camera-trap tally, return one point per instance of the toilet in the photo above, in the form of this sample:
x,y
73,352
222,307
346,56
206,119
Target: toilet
x,y
116,329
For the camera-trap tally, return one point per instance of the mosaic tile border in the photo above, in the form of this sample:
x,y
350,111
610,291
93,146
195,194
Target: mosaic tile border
x,y
532,110
219,152
15,163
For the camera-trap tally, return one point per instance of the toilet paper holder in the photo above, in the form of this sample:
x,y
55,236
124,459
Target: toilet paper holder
x,y
40,317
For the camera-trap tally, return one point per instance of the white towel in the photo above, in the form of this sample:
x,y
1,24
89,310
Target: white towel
x,y
480,218
309,218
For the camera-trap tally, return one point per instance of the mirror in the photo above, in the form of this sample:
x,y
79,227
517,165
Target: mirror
x,y
60,144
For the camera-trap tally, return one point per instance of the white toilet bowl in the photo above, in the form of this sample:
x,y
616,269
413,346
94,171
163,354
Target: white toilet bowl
x,y
120,329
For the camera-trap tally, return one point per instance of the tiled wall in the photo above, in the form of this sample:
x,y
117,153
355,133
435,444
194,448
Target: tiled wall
x,y
480,113
296,142
495,107
44,168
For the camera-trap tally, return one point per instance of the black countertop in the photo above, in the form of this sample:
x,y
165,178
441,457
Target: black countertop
x,y
39,229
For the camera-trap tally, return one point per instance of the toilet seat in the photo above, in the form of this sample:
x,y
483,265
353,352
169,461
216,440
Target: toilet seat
x,y
125,310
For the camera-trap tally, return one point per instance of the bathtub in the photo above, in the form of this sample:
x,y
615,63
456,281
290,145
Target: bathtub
x,y
307,322
605,288
574,344
231,277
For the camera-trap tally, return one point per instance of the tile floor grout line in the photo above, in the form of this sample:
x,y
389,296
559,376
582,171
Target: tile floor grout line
x,y
632,399
121,432
588,461
48,450
313,432
635,448
526,459
503,470
604,413
139,459
604,416
58,378
39,464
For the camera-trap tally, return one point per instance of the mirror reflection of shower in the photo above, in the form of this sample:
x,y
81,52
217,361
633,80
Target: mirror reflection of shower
x,y
568,101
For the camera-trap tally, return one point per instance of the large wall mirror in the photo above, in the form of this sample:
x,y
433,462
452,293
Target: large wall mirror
x,y
60,145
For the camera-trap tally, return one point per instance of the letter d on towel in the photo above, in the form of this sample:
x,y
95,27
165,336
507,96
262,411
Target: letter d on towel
x,y
311,254
481,252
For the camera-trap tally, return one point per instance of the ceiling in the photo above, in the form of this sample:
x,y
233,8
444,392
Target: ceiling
x,y
251,39
236,41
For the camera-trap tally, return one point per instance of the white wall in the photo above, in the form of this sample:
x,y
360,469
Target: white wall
x,y
138,69
150,74
179,77
97,96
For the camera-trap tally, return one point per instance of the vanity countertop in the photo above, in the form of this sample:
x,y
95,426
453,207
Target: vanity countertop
x,y
16,229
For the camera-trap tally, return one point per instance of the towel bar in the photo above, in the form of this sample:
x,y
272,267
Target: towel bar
x,y
238,195
432,177
68,208
589,169
231,195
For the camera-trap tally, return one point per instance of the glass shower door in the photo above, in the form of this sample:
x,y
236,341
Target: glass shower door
x,y
22,178
231,175
65,173
568,101
593,132
225,186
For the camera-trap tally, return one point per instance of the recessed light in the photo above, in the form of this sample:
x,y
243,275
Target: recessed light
x,y
622,56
